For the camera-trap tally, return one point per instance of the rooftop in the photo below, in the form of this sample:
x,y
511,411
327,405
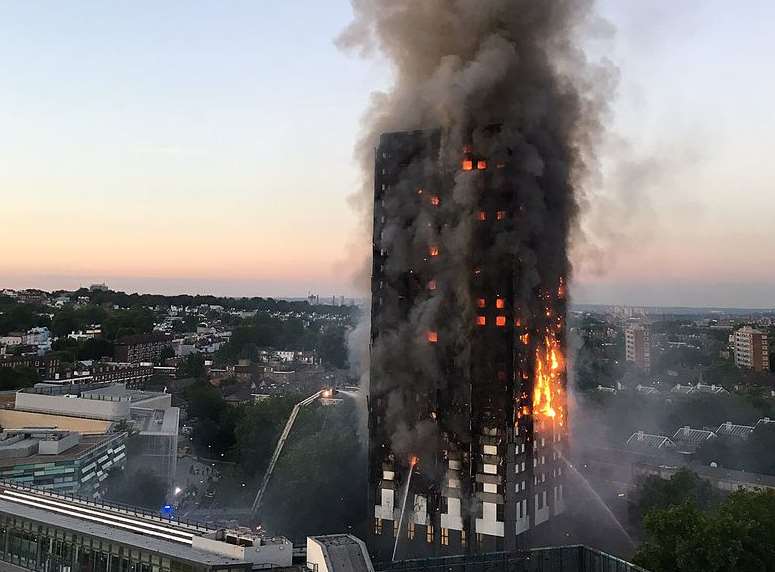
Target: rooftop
x,y
694,437
341,553
153,533
729,429
86,445
640,439
119,391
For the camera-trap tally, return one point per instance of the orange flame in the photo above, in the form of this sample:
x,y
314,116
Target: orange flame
x,y
547,390
414,460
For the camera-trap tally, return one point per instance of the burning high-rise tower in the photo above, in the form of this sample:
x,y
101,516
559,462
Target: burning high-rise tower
x,y
481,144
467,395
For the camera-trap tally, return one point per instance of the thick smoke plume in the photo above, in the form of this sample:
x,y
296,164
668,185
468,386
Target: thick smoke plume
x,y
461,66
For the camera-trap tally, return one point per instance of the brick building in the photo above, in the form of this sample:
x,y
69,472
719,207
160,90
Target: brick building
x,y
142,347
46,366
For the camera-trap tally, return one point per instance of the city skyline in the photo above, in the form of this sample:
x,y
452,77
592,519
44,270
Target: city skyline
x,y
158,149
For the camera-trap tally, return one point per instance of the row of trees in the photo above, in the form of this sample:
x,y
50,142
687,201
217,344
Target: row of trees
x,y
17,377
689,527
15,317
125,300
245,435
319,485
115,323
292,334
18,317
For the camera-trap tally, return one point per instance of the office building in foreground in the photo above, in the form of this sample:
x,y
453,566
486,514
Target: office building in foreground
x,y
46,531
467,415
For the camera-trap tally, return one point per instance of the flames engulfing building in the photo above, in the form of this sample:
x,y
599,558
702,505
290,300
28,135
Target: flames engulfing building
x,y
467,413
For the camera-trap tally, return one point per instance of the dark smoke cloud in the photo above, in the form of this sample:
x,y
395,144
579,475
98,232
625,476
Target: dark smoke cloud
x,y
460,65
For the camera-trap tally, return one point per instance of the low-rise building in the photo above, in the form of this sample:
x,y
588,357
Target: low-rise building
x,y
12,339
734,431
699,388
32,296
642,441
98,409
46,366
295,356
133,375
70,534
141,348
89,333
59,460
688,440
39,338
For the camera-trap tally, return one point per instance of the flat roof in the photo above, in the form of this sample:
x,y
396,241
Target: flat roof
x,y
17,419
119,390
146,420
344,553
88,442
95,529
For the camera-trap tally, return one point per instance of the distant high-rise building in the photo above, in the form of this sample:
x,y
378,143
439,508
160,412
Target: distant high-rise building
x,y
467,416
751,347
638,346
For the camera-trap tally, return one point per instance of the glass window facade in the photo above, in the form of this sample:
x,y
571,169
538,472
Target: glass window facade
x,y
34,546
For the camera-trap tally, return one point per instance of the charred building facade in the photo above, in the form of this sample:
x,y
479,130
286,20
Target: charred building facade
x,y
467,410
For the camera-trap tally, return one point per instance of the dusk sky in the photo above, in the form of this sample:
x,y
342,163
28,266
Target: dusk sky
x,y
206,147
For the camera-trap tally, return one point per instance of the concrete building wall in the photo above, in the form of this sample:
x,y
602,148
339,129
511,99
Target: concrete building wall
x,y
72,406
54,447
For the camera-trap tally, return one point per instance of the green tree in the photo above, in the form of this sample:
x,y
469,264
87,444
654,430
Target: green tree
x,y
18,377
332,346
166,353
322,443
655,493
15,317
64,322
213,421
67,349
192,366
738,535
95,349
137,320
257,429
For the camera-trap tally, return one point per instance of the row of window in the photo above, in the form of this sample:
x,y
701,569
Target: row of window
x,y
48,549
500,321
411,532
